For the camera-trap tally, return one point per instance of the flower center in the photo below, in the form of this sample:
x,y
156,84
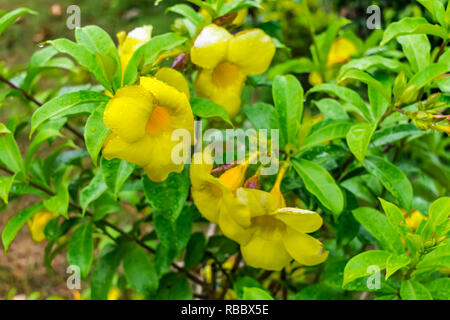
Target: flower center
x,y
158,122
268,227
225,74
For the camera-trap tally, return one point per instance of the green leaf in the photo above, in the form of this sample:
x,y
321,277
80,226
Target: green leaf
x,y
3,129
321,184
439,288
38,140
347,95
140,271
394,133
168,197
438,214
195,250
80,251
205,108
5,186
413,290
358,139
409,26
7,19
186,11
358,266
85,58
256,294
115,173
103,273
332,131
396,262
436,9
98,41
236,5
59,203
262,116
364,77
148,53
417,50
325,39
62,105
288,98
395,217
331,109
377,224
95,132
436,259
93,191
373,62
10,154
428,74
299,65
16,223
392,178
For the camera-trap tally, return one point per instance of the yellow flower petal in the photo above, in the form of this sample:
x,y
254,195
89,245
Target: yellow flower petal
x,y
210,47
299,219
234,178
304,248
341,50
222,85
136,152
265,253
37,224
175,79
127,113
130,43
230,227
252,50
260,202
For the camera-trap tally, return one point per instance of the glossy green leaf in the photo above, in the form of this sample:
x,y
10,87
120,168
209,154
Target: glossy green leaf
x,y
359,266
288,98
392,178
358,139
80,251
439,288
396,262
413,290
417,50
115,173
7,19
5,187
332,131
93,191
321,184
61,105
377,224
95,132
195,250
140,271
205,108
256,294
16,223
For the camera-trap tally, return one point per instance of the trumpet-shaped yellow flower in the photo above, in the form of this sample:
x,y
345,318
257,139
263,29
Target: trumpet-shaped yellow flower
x,y
227,60
340,52
414,220
129,43
214,197
142,119
37,224
277,235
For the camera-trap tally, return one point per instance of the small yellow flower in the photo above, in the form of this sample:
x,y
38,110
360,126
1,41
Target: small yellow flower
x,y
341,51
227,60
278,235
114,294
142,119
315,78
129,43
37,224
214,197
442,128
414,220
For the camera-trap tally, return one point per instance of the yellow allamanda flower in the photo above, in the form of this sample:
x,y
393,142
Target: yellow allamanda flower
x,y
227,60
340,52
274,236
142,119
37,224
214,197
129,43
414,220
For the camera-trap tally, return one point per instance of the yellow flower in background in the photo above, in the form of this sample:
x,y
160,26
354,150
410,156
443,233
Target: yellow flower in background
x,y
37,224
341,51
129,43
227,60
142,119
415,219
114,294
278,235
214,197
